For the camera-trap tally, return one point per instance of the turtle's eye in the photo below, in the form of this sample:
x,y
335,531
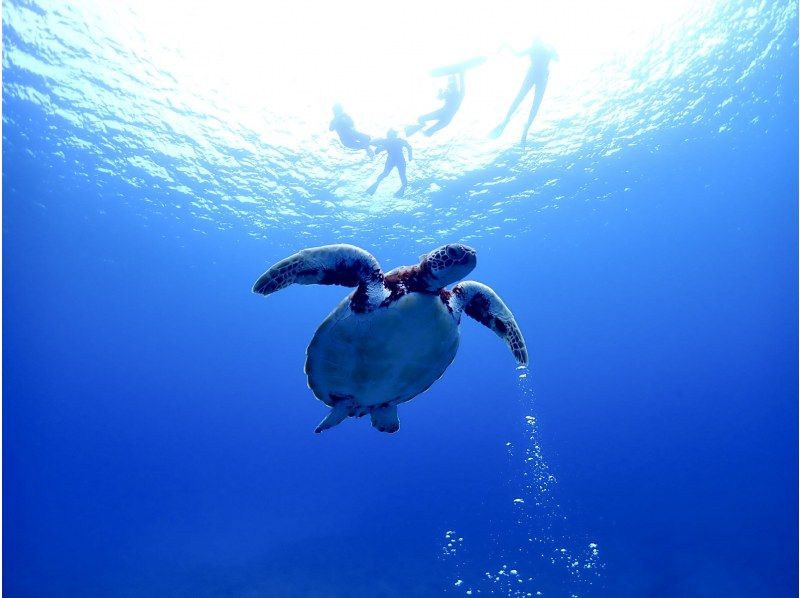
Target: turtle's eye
x,y
459,254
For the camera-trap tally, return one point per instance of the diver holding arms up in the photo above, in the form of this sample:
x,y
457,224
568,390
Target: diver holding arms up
x,y
452,95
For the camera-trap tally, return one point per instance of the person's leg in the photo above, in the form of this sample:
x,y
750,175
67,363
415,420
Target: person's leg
x,y
401,170
363,141
411,129
438,126
386,170
527,84
538,95
361,138
422,120
354,140
435,115
349,141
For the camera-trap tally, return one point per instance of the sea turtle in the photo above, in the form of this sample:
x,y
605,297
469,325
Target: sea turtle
x,y
395,335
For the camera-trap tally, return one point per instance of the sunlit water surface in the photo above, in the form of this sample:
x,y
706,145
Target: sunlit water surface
x,y
222,115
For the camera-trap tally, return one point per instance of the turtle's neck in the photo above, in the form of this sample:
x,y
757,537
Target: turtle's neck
x,y
410,279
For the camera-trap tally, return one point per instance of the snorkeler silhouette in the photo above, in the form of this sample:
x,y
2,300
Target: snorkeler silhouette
x,y
540,56
393,146
452,95
343,125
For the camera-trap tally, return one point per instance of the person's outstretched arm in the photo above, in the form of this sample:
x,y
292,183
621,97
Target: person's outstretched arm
x,y
408,147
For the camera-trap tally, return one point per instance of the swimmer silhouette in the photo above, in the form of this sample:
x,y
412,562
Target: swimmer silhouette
x,y
343,125
540,56
393,146
452,95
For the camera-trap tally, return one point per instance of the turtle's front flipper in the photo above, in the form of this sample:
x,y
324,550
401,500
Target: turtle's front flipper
x,y
481,303
345,265
384,419
336,416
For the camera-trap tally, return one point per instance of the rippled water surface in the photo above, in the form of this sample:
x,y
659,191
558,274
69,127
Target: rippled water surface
x,y
220,115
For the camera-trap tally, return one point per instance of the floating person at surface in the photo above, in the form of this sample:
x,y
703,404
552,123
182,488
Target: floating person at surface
x,y
343,125
540,56
393,146
452,95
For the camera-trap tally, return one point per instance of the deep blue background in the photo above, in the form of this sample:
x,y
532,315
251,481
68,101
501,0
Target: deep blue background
x,y
157,432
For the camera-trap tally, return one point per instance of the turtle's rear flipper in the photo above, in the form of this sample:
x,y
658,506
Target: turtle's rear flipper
x,y
334,418
384,419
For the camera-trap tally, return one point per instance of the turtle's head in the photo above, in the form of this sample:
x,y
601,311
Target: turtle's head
x,y
447,264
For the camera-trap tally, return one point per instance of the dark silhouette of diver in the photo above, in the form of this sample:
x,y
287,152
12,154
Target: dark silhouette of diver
x,y
393,146
452,95
540,56
343,125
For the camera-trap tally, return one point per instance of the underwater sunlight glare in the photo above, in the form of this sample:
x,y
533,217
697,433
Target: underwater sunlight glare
x,y
290,58
223,114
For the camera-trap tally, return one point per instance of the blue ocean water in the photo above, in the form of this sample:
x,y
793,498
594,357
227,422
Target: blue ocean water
x,y
157,428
